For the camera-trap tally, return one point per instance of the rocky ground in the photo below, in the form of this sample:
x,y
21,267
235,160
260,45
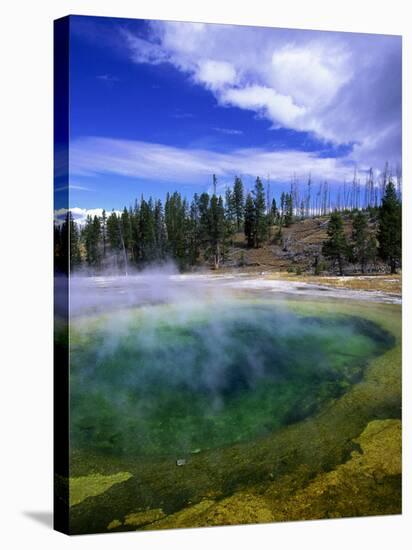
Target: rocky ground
x,y
295,252
370,476
391,284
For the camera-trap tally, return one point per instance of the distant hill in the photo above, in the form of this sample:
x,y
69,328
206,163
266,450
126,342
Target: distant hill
x,y
296,250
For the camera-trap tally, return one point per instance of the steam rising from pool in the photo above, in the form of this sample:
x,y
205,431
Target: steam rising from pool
x,y
181,368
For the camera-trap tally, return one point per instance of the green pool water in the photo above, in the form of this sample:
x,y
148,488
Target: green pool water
x,y
170,381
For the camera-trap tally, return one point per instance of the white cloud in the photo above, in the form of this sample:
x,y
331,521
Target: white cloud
x,y
157,162
266,101
215,74
312,74
180,37
343,87
143,51
79,214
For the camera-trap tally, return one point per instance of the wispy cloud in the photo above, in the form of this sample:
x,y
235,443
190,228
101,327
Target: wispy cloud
x,y
72,186
342,87
109,78
228,131
95,156
181,114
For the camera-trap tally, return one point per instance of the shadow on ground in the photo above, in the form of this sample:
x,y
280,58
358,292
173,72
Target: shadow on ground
x,y
44,518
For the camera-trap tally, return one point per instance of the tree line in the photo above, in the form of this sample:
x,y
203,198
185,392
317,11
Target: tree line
x,y
363,246
318,200
203,230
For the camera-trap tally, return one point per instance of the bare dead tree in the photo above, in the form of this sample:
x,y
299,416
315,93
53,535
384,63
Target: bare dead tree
x,y
308,192
384,180
329,203
399,181
325,198
338,205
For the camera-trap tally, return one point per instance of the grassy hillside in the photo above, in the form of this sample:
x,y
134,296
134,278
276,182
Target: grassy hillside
x,y
295,251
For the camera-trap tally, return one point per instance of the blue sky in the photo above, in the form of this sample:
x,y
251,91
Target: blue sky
x,y
161,106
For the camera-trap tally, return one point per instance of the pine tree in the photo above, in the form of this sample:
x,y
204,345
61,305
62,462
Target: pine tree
x,y
217,230
335,247
270,218
249,222
260,228
92,234
231,220
125,232
115,240
113,232
204,218
135,238
61,247
274,210
176,224
390,228
194,231
104,232
239,202
288,209
371,251
360,249
75,256
126,228
147,231
160,231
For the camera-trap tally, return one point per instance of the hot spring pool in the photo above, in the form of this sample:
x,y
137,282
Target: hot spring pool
x,y
173,381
